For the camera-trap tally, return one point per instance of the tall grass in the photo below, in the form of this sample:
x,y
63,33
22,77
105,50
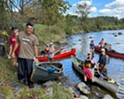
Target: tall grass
x,y
6,70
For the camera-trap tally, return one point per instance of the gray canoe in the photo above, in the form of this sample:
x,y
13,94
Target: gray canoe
x,y
46,71
112,87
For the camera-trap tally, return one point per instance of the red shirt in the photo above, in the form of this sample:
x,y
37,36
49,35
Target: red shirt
x,y
13,42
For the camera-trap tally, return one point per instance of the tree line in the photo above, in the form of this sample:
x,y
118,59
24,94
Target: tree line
x,y
52,13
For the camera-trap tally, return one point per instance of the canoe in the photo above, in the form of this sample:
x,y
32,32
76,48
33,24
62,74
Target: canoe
x,y
46,71
111,53
59,56
112,87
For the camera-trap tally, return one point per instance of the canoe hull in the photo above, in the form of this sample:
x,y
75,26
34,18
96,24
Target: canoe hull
x,y
59,56
40,75
111,54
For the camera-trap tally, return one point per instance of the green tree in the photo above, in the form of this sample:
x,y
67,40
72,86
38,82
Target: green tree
x,y
52,10
84,11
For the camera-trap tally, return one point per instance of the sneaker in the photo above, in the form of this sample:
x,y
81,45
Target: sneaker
x,y
31,86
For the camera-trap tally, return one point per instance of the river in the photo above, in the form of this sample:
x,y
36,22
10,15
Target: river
x,y
81,43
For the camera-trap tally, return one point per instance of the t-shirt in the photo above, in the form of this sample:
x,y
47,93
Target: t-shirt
x,y
13,42
104,59
27,43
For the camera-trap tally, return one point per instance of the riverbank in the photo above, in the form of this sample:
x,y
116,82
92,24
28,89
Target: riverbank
x,y
10,88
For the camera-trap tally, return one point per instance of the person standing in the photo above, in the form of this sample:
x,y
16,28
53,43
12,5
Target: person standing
x,y
28,53
103,62
90,64
12,42
92,47
102,43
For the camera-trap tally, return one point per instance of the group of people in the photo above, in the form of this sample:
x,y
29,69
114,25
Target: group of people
x,y
91,64
24,51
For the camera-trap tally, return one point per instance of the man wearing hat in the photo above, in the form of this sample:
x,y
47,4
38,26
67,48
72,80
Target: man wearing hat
x,y
103,62
12,42
28,53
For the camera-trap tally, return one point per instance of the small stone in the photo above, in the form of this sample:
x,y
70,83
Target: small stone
x,y
83,97
107,97
83,88
49,91
49,83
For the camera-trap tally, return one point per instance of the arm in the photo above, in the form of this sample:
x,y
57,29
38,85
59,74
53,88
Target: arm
x,y
36,50
16,46
107,61
36,54
10,51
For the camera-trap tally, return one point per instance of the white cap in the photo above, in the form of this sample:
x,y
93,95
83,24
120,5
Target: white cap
x,y
102,50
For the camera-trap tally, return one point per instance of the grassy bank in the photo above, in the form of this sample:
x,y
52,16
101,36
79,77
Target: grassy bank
x,y
7,76
45,34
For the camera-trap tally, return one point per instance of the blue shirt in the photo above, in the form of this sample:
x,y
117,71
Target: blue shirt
x,y
103,59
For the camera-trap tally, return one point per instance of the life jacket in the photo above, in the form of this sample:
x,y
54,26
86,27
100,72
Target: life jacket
x,y
88,63
87,73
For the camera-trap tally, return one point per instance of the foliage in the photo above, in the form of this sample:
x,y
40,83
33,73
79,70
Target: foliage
x,y
7,70
52,10
7,92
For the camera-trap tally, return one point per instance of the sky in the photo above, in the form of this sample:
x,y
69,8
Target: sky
x,y
100,7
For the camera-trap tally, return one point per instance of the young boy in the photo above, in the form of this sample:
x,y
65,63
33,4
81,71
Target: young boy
x,y
12,42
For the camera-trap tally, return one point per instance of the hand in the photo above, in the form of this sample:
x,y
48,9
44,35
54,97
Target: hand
x,y
13,55
103,69
36,61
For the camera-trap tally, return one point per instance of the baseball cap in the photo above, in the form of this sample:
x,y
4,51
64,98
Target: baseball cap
x,y
14,27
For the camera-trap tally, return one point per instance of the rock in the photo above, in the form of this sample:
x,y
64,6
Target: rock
x,y
63,42
16,87
107,97
119,33
83,97
17,90
83,88
90,37
79,39
48,84
82,84
49,91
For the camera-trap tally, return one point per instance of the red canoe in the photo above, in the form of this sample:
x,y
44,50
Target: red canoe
x,y
59,56
110,53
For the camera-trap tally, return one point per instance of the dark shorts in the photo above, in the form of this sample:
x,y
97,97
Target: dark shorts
x,y
103,72
25,68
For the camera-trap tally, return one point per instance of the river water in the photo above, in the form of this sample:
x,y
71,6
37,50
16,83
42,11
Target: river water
x,y
81,43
